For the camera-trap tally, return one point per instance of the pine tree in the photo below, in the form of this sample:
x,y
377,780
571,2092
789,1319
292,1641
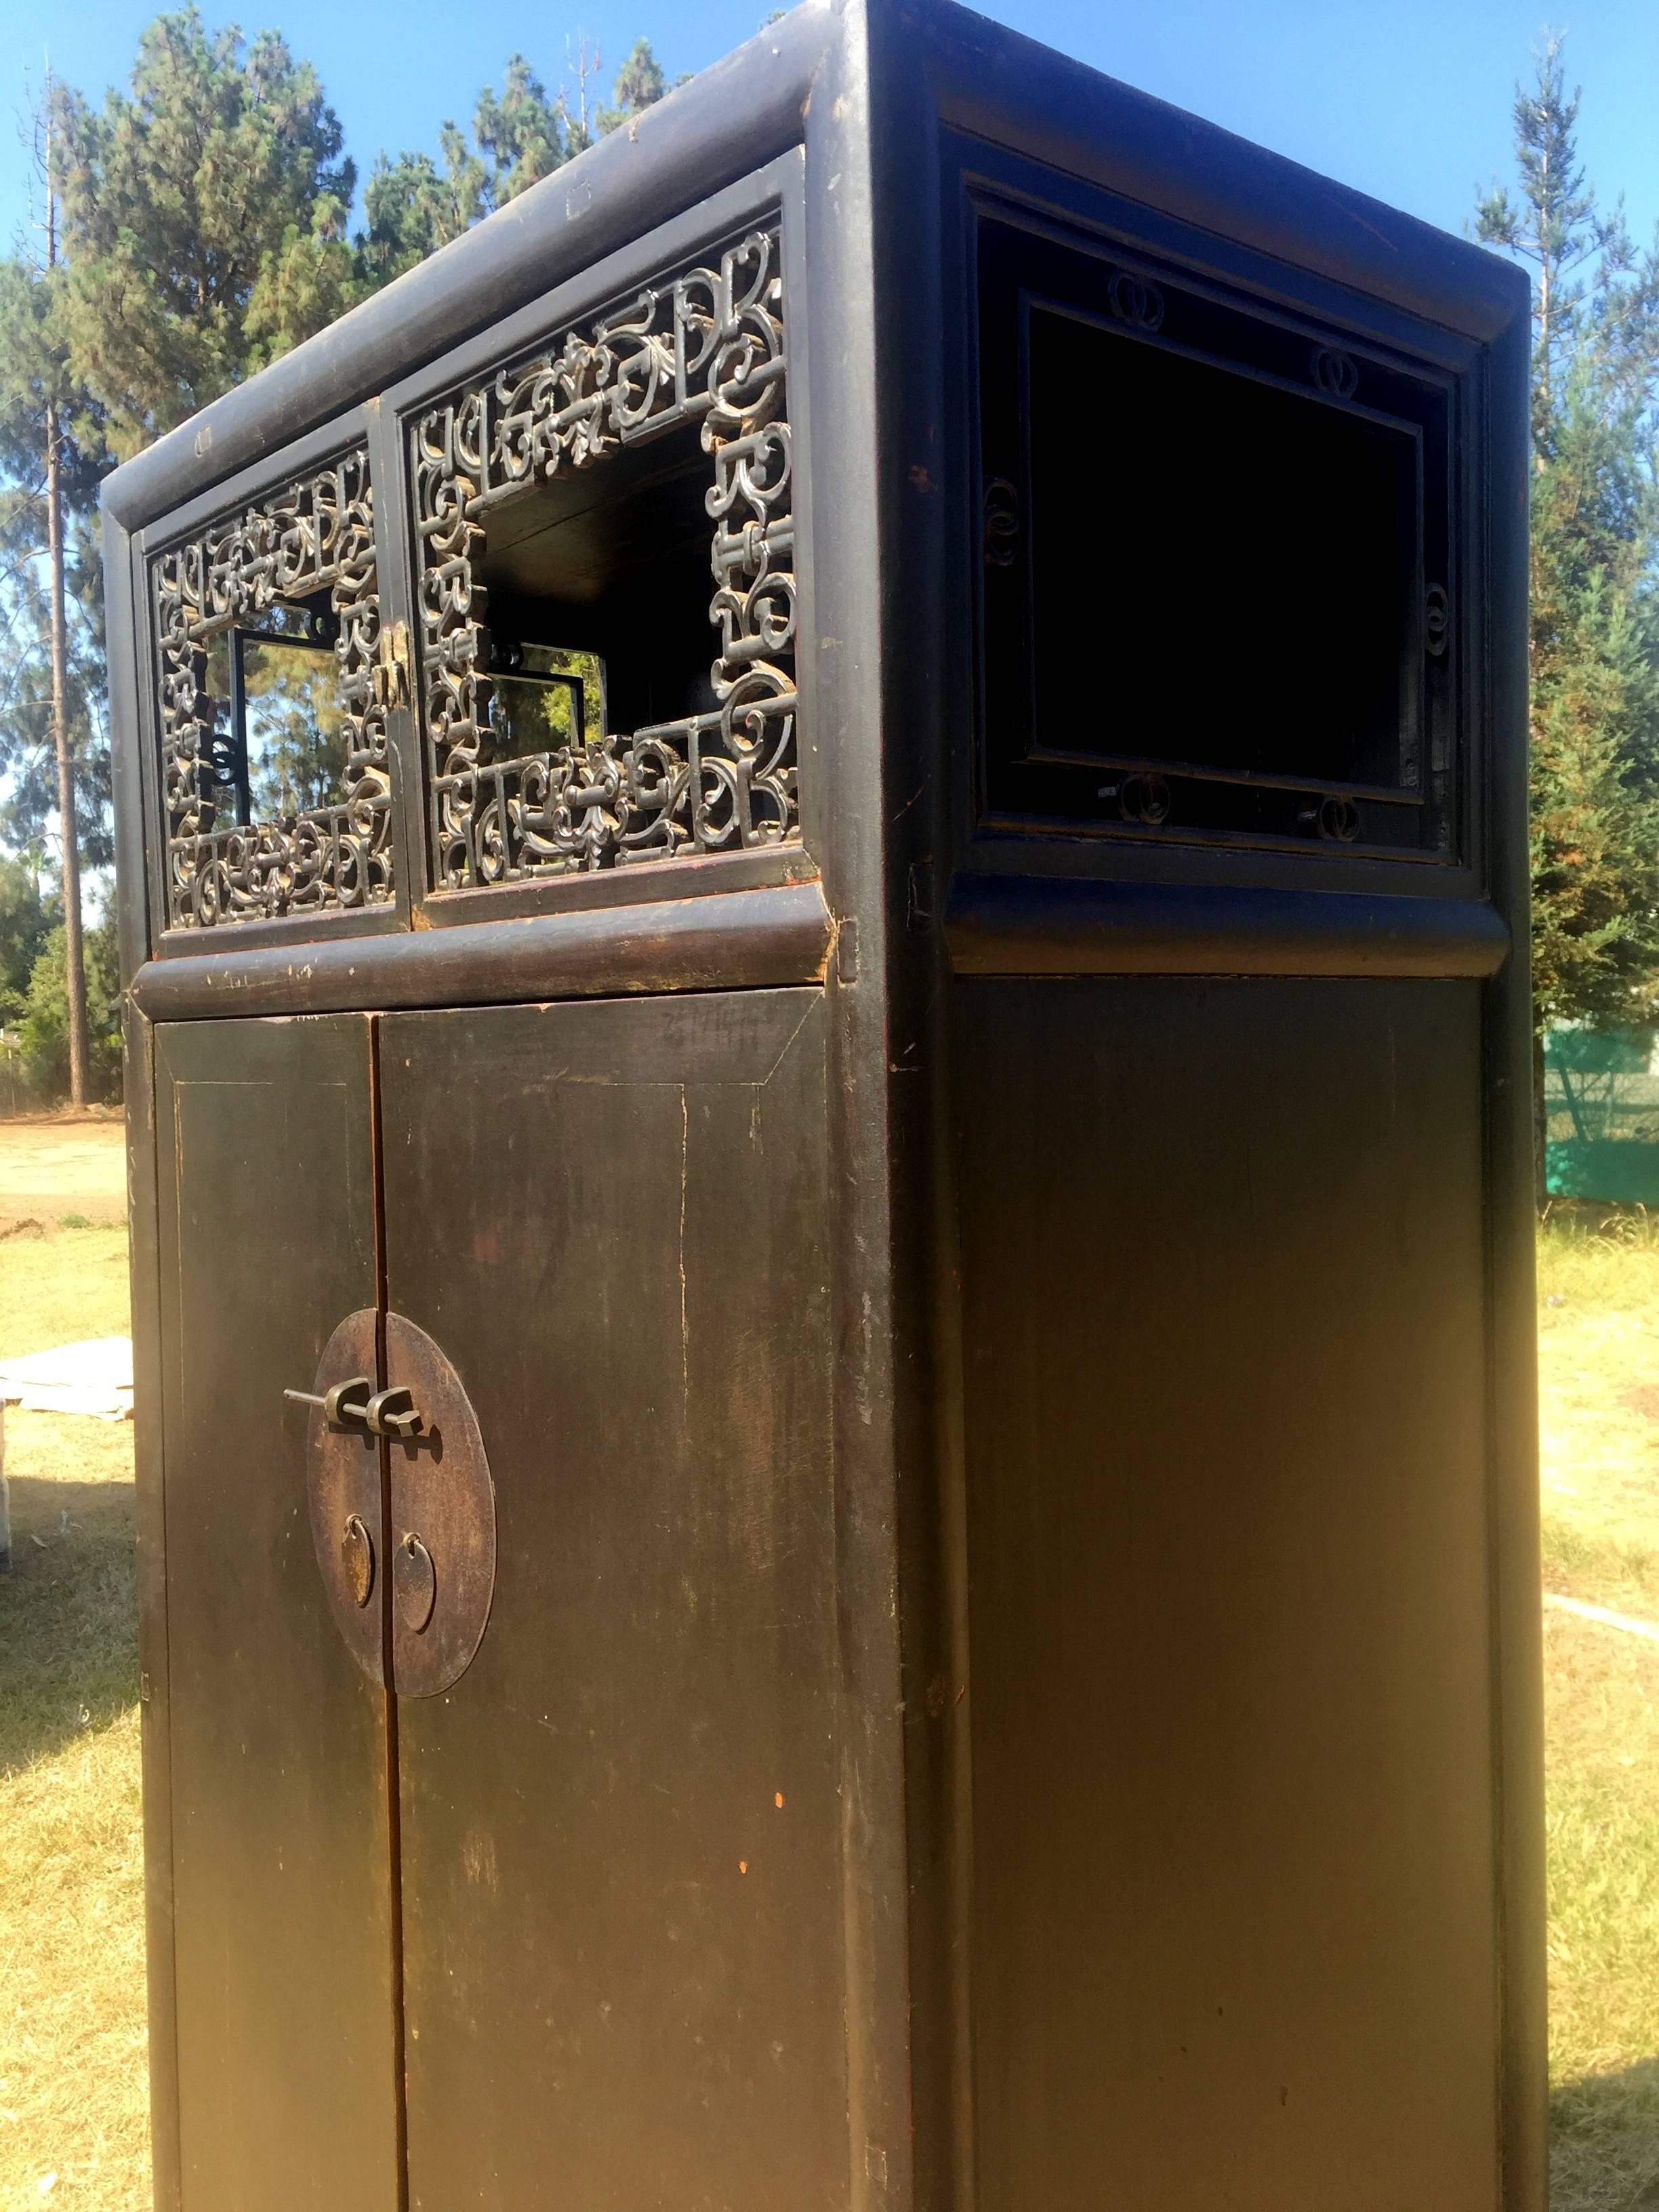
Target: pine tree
x,y
1593,641
412,205
521,135
26,922
204,222
51,448
202,216
640,84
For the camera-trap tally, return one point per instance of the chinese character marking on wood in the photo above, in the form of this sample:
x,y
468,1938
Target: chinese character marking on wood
x,y
705,349
316,535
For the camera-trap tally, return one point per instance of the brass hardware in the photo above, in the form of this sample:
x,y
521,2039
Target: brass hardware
x,y
336,1412
356,1403
343,1487
442,1580
357,1558
413,1583
393,666
391,1413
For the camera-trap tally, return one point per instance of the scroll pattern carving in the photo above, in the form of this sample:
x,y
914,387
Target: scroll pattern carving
x,y
316,534
706,347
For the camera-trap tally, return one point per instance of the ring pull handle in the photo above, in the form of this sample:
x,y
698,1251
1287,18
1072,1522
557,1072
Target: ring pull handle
x,y
413,1583
357,1558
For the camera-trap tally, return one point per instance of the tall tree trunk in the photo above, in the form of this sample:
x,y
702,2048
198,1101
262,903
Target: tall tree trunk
x,y
75,971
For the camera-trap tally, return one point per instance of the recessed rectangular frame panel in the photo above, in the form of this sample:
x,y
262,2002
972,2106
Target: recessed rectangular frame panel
x,y
1234,1928
620,1830
282,1935
1057,783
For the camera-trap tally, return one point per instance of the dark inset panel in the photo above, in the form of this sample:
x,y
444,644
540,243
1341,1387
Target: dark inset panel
x,y
280,1809
1217,554
1245,556
621,1873
1233,1938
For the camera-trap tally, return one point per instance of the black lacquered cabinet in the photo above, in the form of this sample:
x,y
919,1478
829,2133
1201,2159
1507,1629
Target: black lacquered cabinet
x,y
823,874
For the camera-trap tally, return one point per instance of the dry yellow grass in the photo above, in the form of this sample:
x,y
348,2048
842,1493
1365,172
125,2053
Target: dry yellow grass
x,y
72,1929
56,1287
72,2059
1598,1377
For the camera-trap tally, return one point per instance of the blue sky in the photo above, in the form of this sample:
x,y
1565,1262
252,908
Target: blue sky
x,y
1408,99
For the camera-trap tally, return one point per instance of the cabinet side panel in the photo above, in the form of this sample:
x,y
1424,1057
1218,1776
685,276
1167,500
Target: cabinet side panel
x,y
281,1859
1234,1888
623,1941
143,1202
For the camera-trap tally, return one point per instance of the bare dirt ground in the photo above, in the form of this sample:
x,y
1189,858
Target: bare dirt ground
x,y
54,1164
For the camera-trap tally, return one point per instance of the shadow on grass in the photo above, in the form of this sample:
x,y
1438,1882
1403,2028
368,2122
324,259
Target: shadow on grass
x,y
69,1655
1604,2141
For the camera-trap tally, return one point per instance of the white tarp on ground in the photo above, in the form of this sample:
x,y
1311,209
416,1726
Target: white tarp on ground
x,y
94,1377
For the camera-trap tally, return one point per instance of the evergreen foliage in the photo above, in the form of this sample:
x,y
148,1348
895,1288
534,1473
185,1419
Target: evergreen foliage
x,y
206,215
35,370
1595,632
204,222
43,1028
413,204
26,922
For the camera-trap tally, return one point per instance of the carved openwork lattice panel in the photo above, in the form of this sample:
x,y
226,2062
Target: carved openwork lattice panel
x,y
295,573
695,363
1217,565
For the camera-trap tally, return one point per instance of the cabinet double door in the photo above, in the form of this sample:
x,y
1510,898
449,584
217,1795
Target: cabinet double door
x,y
563,1929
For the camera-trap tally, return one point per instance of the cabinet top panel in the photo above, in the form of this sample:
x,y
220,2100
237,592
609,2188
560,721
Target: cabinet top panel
x,y
751,106
520,677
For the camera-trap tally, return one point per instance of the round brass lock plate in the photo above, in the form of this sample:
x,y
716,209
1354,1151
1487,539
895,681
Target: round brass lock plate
x,y
443,1521
343,1480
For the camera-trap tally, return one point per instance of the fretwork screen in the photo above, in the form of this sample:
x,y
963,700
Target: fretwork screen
x,y
274,777
610,521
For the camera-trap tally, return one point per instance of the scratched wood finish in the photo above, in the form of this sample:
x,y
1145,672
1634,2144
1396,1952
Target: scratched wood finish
x,y
1033,1845
343,1488
723,940
443,1509
622,1903
282,1874
1233,1934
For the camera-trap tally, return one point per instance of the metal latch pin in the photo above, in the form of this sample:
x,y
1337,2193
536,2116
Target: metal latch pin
x,y
389,1412
332,1402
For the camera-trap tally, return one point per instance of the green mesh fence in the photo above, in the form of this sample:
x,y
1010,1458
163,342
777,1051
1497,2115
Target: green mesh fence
x,y
1602,1110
